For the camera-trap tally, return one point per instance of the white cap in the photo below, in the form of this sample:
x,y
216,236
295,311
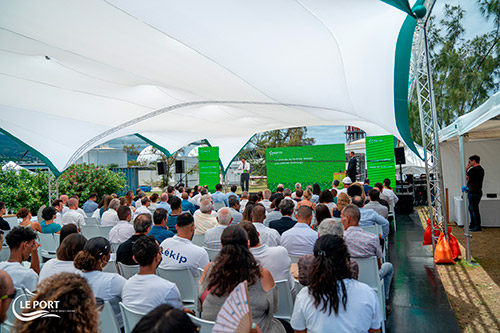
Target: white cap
x,y
347,181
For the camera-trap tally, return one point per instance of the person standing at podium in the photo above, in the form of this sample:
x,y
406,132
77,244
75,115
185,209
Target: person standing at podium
x,y
244,168
475,176
351,167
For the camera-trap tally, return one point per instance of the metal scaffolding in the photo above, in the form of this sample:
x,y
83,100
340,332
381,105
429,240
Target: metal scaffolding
x,y
421,78
53,184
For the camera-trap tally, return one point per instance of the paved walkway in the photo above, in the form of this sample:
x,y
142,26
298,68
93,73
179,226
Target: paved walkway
x,y
418,298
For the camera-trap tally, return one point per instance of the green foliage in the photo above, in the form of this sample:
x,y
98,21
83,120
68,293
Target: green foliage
x,y
465,71
255,150
23,189
83,179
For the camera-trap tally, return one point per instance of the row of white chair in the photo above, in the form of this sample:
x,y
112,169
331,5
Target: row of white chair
x,y
95,230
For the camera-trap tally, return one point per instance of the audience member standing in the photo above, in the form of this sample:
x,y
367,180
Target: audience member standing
x,y
475,176
300,239
145,291
142,225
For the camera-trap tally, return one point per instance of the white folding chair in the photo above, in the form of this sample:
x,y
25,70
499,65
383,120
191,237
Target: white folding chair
x,y
5,253
198,240
211,253
107,319
373,229
91,231
12,221
127,271
206,326
392,213
110,268
91,220
219,205
104,231
48,245
369,274
130,318
294,259
285,307
57,239
5,233
185,283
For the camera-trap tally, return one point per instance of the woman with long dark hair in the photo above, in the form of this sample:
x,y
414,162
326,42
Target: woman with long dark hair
x,y
233,265
334,301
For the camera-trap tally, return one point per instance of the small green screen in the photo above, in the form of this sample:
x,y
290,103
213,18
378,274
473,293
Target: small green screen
x,y
306,165
380,159
208,166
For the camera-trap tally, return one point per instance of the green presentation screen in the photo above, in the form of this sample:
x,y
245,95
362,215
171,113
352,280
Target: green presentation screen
x,y
306,165
208,167
380,159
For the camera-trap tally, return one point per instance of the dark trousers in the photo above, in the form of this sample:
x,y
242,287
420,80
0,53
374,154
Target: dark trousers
x,y
352,176
245,178
475,216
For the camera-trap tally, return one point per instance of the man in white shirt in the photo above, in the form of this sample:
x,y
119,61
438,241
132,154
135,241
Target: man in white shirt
x,y
145,291
64,198
58,205
300,239
234,207
81,211
123,230
22,245
275,259
347,182
267,236
265,202
6,288
110,217
287,195
72,215
164,203
244,168
143,209
203,219
179,252
374,203
298,186
244,201
212,236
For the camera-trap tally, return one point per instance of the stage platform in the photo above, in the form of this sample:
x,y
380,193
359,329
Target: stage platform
x,y
418,298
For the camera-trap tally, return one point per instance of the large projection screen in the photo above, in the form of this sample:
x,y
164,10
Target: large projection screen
x,y
208,167
306,165
380,159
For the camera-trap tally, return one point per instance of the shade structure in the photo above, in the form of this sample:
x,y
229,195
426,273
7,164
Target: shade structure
x,y
75,74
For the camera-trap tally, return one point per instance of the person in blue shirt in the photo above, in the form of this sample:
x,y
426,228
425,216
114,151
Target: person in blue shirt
x,y
218,196
164,203
186,205
47,225
233,190
90,205
366,186
160,230
176,205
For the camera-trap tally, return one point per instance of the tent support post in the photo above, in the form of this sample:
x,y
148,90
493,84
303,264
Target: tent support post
x,y
429,127
53,184
465,199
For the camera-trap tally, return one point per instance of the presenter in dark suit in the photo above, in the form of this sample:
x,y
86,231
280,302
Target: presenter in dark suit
x,y
287,206
351,167
475,177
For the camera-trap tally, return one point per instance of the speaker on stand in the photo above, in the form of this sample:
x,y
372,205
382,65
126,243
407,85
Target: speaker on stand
x,y
179,169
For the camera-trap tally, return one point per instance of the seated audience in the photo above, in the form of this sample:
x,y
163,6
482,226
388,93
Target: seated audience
x,y
103,206
298,187
234,207
218,196
66,231
187,206
374,203
343,200
160,231
287,195
247,213
298,195
316,191
66,253
164,203
212,236
145,291
356,190
58,205
25,215
388,193
233,265
362,244
285,222
275,213
322,212
327,227
265,200
366,186
176,206
370,217
123,230
267,236
22,245
232,192
275,259
179,252
48,225
347,182
75,301
4,225
383,202
90,205
203,219
244,200
300,239
326,198
138,202
142,226
278,194
110,217
108,286
7,294
165,319
333,301
72,215
144,206
154,202
306,200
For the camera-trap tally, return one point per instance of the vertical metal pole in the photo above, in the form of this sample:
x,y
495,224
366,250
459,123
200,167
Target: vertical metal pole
x,y
49,174
465,199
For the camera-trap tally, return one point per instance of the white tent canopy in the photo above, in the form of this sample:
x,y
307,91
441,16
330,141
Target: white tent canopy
x,y
75,74
480,130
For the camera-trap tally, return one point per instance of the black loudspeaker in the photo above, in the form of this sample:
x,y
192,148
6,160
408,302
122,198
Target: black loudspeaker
x,y
179,166
399,153
162,168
